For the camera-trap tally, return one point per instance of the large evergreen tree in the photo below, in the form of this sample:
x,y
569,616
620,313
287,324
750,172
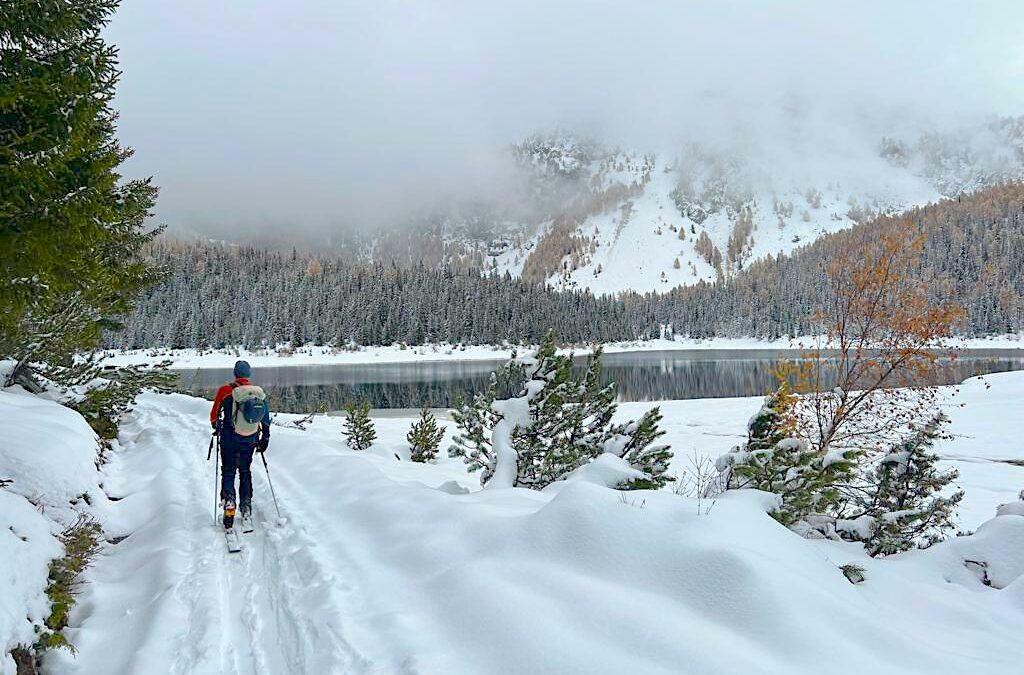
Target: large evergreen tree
x,y
71,231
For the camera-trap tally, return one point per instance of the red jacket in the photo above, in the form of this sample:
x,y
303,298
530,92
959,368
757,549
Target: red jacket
x,y
223,393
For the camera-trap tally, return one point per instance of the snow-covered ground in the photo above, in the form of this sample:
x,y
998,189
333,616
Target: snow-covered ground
x,y
382,566
315,355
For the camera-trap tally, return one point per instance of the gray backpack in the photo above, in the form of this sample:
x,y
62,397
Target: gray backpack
x,y
249,408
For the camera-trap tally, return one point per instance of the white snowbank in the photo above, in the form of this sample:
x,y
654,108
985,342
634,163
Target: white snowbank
x,y
47,452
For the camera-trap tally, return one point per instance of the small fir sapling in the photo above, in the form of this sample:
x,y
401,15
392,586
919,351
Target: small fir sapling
x,y
424,437
359,432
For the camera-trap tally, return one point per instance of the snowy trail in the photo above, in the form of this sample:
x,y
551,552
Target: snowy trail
x,y
269,609
263,628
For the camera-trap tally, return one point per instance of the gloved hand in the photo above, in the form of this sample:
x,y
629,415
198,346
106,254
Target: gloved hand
x,y
261,445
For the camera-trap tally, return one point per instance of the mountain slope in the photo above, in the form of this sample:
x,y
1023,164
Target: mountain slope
x,y
610,220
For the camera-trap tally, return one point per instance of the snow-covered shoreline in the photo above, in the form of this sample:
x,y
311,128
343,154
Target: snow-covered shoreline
x,y
317,355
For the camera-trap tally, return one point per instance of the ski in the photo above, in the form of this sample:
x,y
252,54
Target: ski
x,y
247,525
234,543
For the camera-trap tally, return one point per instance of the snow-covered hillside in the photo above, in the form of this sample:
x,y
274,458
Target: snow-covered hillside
x,y
381,565
612,220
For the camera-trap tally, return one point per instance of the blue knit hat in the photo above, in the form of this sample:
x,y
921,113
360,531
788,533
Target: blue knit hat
x,y
243,369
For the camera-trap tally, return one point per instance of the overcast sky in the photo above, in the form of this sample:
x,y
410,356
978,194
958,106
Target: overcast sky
x,y
314,113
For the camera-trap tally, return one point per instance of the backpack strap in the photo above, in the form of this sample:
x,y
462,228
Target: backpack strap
x,y
229,412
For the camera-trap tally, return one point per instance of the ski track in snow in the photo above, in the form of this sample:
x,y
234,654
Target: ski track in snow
x,y
270,608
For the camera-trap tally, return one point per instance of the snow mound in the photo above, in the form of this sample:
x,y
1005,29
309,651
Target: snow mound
x,y
49,454
606,470
1012,509
996,548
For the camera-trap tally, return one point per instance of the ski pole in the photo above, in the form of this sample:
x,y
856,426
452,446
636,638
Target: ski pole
x,y
216,475
271,484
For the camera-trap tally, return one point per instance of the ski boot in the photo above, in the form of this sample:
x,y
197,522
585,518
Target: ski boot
x,y
229,514
246,512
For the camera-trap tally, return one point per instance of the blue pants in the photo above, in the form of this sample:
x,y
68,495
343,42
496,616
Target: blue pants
x,y
236,457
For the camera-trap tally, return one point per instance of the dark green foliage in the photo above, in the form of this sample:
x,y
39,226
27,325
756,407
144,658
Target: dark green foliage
x,y
907,502
359,432
81,542
424,437
589,415
543,451
774,461
475,421
107,399
643,454
70,229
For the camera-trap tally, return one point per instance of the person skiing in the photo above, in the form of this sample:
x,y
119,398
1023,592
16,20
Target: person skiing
x,y
241,419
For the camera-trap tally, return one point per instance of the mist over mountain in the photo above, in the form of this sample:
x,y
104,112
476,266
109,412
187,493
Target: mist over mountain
x,y
330,119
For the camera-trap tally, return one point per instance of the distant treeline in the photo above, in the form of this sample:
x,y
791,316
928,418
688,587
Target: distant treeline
x,y
217,295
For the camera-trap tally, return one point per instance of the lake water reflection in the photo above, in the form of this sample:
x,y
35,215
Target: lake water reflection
x,y
641,376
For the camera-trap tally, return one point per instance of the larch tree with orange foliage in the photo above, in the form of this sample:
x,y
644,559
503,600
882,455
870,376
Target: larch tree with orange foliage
x,y
864,388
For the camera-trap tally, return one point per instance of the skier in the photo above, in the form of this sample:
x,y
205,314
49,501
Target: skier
x,y
241,419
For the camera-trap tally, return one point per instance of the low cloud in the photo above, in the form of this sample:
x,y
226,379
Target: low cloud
x,y
318,114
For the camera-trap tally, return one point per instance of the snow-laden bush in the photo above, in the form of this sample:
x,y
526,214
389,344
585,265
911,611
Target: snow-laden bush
x,y
774,461
103,401
892,505
905,501
475,421
554,424
635,443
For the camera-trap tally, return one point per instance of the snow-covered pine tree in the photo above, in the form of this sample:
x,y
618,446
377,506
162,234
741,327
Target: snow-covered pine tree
x,y
907,505
539,440
359,432
475,421
424,437
774,461
634,441
588,417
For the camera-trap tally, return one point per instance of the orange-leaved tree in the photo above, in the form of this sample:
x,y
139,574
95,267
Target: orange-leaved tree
x,y
870,378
